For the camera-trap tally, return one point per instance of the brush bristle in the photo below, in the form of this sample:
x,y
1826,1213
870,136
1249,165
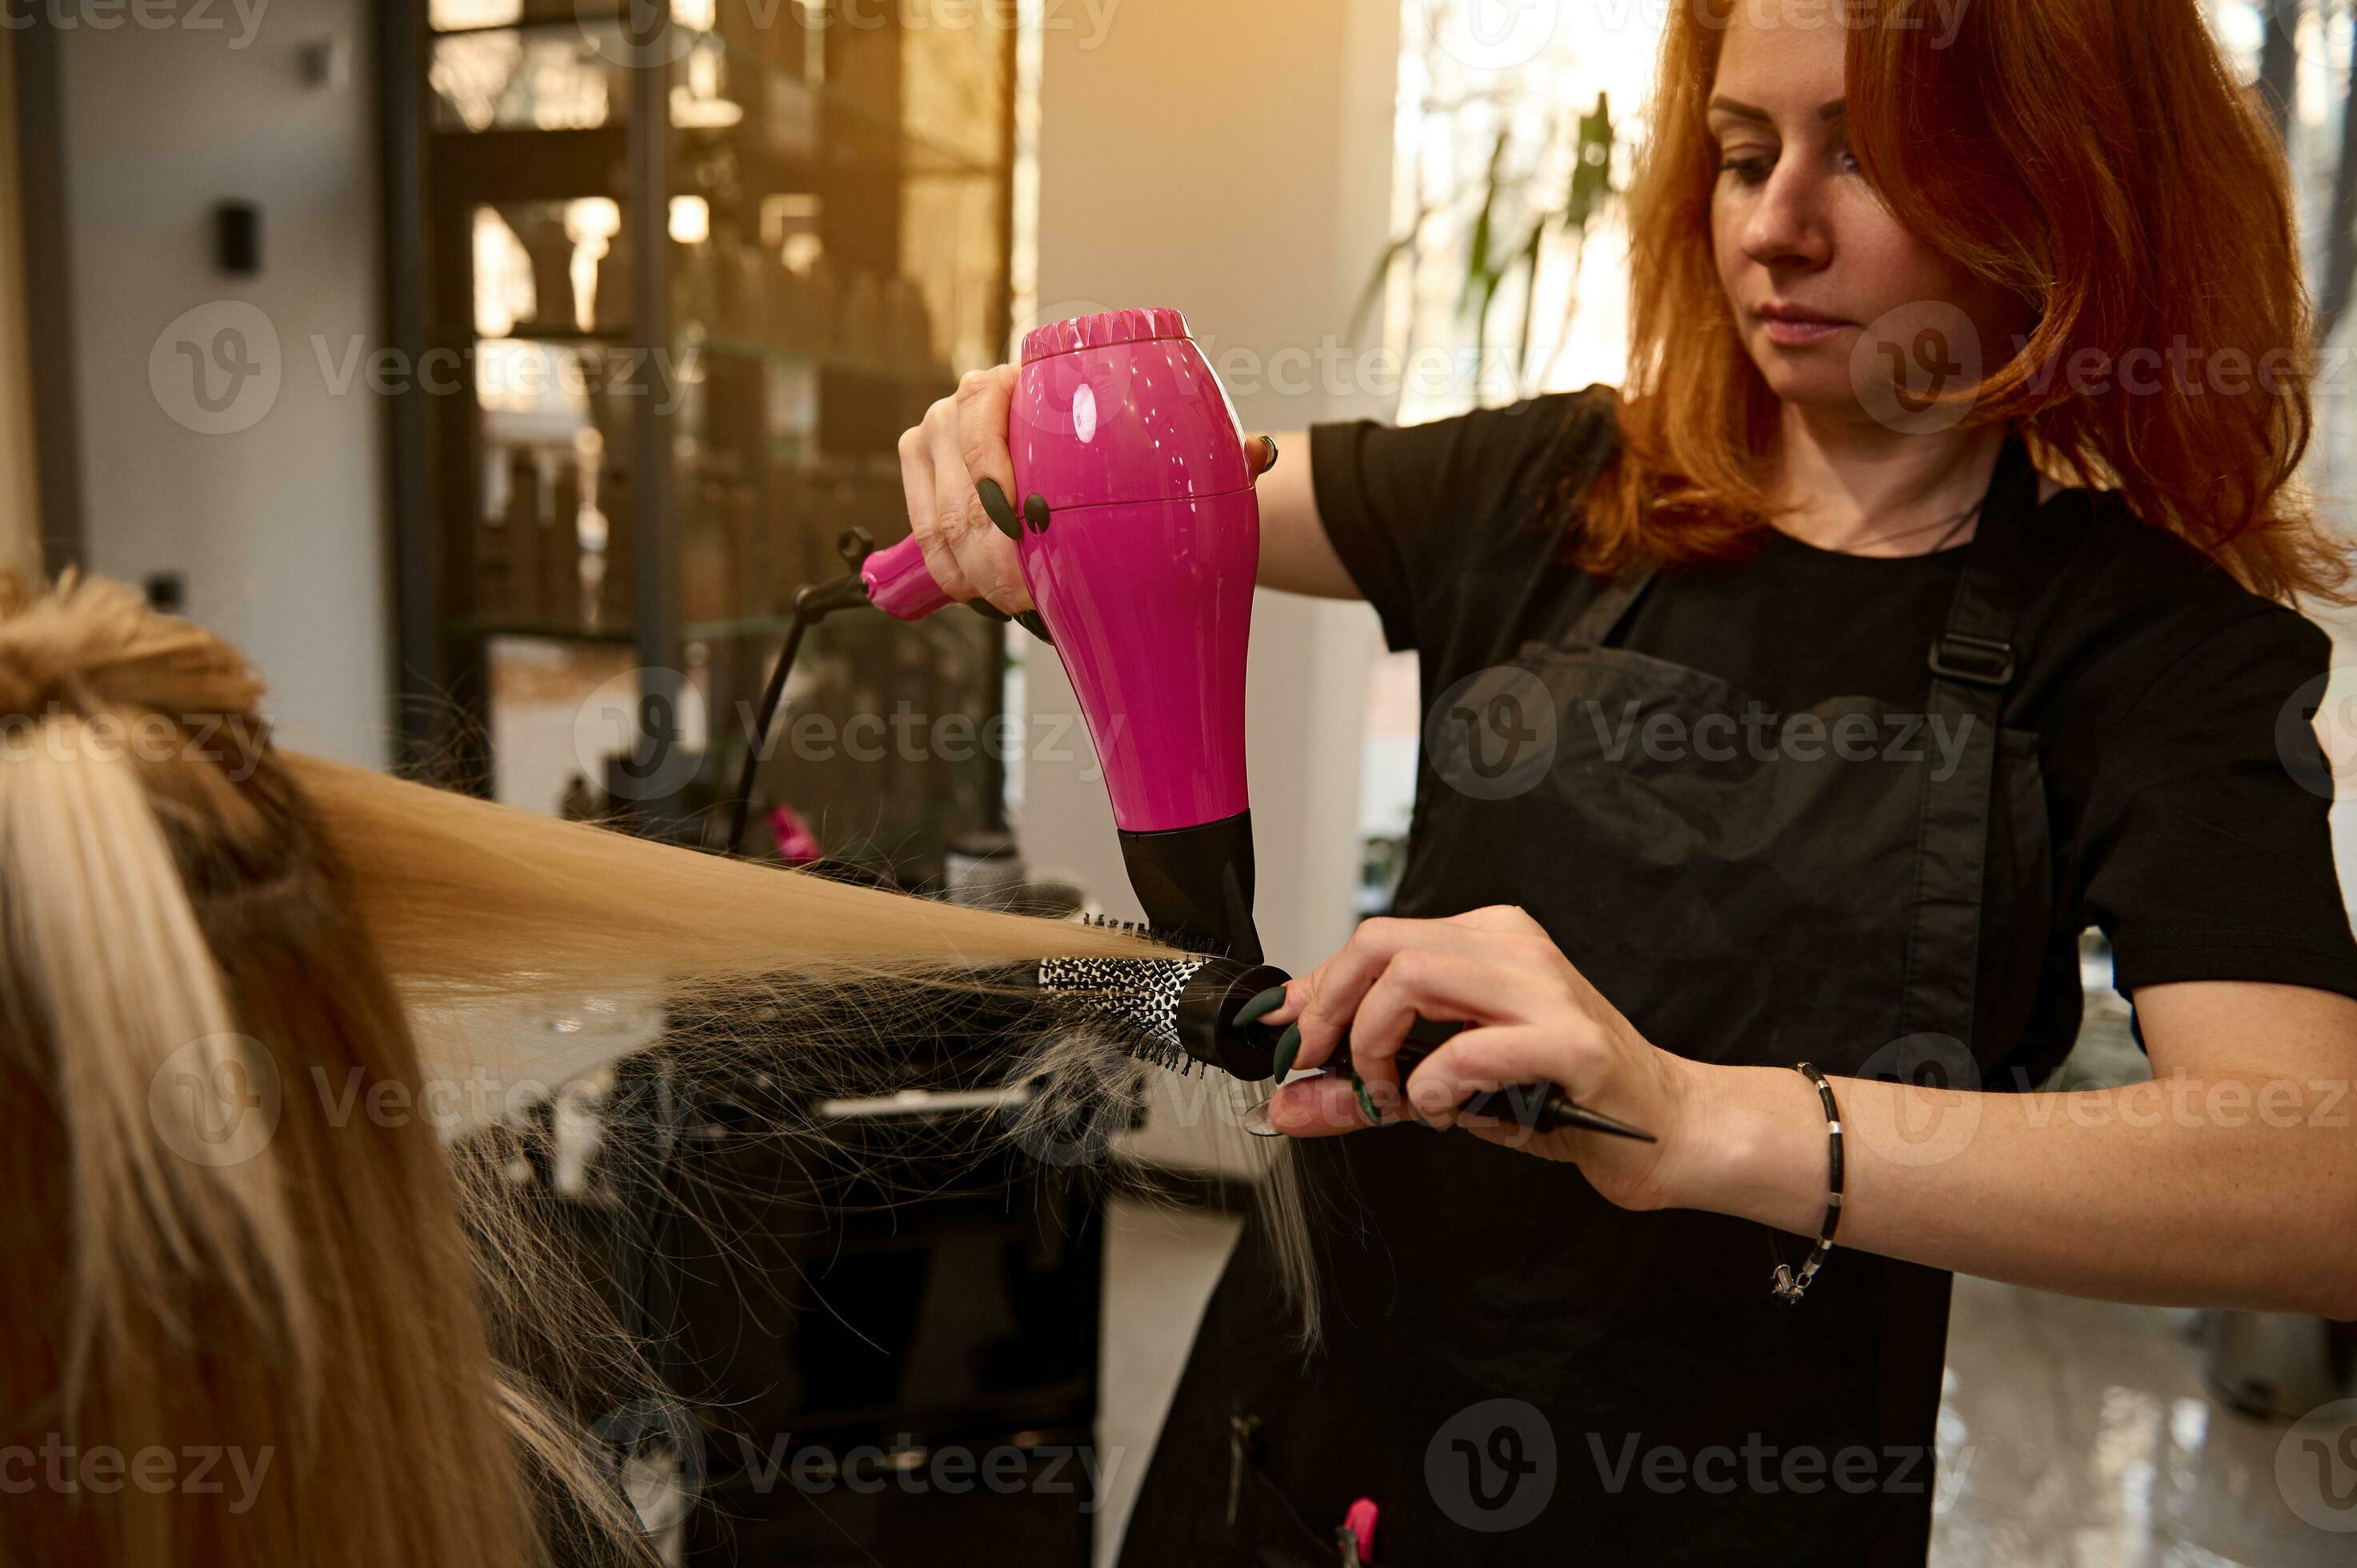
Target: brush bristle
x,y
1136,999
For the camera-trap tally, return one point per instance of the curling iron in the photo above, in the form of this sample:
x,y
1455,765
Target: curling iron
x,y
1139,541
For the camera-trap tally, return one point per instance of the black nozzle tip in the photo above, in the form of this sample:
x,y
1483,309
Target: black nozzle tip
x,y
1209,1023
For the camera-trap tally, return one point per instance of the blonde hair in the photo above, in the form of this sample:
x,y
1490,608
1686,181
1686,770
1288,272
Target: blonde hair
x,y
195,932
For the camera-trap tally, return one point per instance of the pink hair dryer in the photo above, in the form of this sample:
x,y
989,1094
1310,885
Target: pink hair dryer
x,y
1139,543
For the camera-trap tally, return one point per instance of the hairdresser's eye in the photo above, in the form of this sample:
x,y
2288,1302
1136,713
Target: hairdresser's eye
x,y
1747,170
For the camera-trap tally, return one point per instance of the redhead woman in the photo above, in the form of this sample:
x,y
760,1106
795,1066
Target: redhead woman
x,y
1921,601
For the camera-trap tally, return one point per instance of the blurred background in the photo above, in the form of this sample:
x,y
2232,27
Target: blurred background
x,y
494,372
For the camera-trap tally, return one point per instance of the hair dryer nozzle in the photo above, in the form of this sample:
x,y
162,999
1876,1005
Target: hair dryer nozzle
x,y
1198,883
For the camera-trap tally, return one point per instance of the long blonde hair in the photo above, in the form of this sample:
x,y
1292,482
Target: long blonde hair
x,y
206,948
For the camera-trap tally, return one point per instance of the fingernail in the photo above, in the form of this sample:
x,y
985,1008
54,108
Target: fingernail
x,y
1260,1007
988,611
1288,1046
1366,1101
993,501
1034,513
1031,621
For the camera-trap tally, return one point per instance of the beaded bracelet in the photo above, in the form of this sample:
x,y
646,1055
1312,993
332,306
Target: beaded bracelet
x,y
1790,1285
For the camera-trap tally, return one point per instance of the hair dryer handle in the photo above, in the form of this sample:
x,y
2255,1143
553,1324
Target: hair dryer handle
x,y
900,584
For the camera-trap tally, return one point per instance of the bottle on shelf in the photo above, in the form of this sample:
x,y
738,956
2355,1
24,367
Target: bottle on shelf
x,y
513,591
560,551
551,249
617,581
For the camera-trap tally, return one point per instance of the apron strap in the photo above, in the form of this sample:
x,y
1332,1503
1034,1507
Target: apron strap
x,y
1973,663
1595,626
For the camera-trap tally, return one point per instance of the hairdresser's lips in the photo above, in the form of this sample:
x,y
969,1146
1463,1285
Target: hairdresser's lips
x,y
1796,326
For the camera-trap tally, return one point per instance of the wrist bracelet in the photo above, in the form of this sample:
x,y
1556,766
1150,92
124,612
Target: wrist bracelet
x,y
1790,1285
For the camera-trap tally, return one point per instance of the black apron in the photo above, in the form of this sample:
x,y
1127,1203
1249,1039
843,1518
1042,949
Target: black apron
x,y
1516,1372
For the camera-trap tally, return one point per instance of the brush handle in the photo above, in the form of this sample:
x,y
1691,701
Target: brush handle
x,y
1541,1107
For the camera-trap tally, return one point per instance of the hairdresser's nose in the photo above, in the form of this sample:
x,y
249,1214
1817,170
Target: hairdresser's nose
x,y
1788,225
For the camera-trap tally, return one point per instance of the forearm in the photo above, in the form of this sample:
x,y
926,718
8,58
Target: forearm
x,y
2219,1191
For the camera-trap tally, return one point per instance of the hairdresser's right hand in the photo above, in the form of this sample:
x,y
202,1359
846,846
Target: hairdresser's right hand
x,y
958,480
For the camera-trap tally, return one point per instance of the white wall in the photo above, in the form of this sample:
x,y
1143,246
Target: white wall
x,y
1231,158
278,528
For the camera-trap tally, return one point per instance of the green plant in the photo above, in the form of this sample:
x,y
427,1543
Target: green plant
x,y
1519,207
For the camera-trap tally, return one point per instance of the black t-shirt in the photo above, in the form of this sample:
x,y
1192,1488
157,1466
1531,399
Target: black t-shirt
x,y
2169,702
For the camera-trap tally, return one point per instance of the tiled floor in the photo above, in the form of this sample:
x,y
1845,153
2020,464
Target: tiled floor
x,y
2073,1434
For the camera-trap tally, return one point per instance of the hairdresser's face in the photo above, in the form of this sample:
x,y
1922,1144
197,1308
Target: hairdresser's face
x,y
1811,259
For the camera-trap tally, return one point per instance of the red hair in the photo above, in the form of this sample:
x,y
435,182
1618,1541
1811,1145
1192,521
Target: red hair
x,y
2097,160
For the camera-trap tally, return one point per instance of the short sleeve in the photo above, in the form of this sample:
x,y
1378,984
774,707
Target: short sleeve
x,y
1409,508
2208,852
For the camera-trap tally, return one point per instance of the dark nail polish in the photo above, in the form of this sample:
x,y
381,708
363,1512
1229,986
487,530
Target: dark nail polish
x,y
1034,513
993,501
1288,1046
1031,621
1260,1007
988,611
1366,1101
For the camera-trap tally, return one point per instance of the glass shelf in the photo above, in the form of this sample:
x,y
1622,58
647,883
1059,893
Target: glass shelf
x,y
541,630
574,74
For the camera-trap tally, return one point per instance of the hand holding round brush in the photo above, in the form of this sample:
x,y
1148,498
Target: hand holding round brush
x,y
1531,1017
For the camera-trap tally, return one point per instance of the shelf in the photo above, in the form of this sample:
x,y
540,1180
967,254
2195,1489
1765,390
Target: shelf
x,y
600,49
799,358
545,632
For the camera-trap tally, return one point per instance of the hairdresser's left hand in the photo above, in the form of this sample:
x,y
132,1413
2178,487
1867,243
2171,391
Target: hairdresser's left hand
x,y
1534,1018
